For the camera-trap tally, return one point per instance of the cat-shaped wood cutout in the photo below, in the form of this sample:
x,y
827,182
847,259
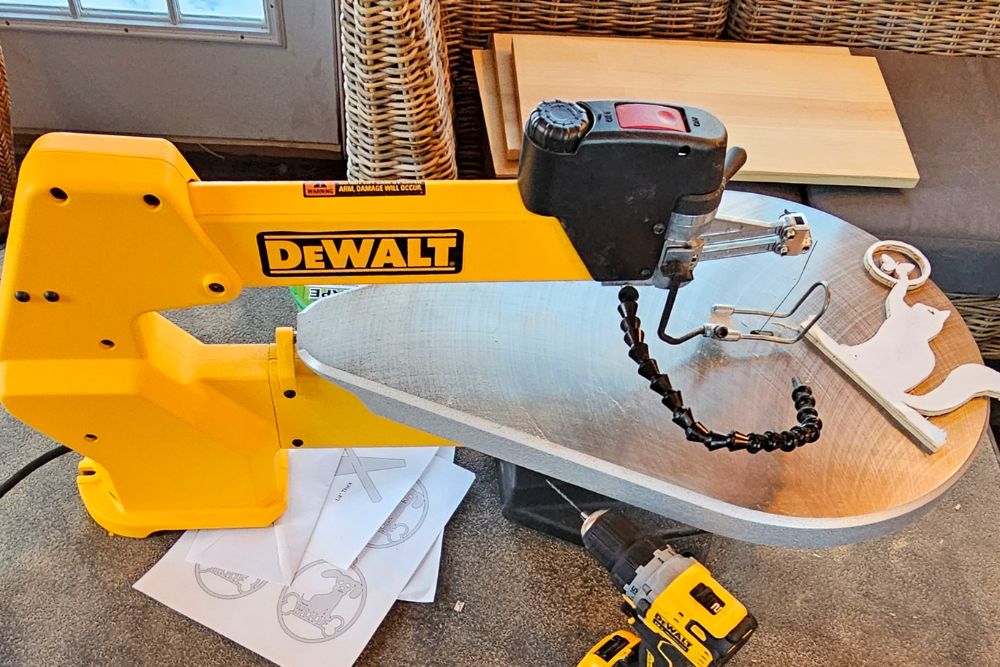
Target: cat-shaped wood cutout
x,y
899,357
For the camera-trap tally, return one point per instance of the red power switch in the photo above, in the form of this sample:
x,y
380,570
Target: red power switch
x,y
650,117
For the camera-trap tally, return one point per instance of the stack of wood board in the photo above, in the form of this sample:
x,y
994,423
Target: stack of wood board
x,y
805,114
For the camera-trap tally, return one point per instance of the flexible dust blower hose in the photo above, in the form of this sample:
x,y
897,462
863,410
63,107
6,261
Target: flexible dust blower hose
x,y
807,431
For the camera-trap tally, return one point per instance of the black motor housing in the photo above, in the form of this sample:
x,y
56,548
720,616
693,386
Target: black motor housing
x,y
613,172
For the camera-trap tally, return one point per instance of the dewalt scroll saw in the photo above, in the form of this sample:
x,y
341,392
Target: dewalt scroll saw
x,y
178,434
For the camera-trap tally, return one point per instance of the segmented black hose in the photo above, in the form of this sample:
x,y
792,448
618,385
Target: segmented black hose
x,y
807,431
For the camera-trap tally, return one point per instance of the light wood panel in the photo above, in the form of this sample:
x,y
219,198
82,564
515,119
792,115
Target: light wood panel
x,y
803,117
503,60
485,66
503,50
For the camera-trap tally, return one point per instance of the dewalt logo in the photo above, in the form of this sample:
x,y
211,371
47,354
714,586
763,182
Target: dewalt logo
x,y
356,253
667,627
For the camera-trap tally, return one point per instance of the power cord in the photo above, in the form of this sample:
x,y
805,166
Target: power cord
x,y
16,478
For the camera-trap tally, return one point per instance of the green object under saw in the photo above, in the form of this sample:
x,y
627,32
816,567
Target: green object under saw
x,y
307,294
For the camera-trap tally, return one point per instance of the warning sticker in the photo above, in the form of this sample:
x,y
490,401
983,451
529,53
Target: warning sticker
x,y
319,189
364,189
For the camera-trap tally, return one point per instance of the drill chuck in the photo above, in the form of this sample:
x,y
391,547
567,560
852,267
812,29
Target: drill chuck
x,y
617,545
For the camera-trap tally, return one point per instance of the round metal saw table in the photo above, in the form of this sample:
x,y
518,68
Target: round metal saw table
x,y
537,374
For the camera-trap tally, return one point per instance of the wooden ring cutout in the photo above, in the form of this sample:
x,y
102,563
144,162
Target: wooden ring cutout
x,y
918,258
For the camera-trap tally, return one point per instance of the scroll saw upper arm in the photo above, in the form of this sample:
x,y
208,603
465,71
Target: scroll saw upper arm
x,y
176,433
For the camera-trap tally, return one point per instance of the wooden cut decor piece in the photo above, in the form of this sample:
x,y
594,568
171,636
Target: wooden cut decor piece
x,y
487,81
899,357
803,117
513,127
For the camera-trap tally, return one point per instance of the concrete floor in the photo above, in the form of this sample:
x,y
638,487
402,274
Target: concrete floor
x,y
925,596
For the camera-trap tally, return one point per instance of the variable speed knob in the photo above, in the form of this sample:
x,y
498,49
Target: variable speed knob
x,y
557,126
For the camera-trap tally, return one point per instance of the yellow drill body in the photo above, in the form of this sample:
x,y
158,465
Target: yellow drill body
x,y
679,615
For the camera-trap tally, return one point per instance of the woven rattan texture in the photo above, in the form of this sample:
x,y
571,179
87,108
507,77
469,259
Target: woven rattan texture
x,y
397,93
468,25
928,26
982,316
8,168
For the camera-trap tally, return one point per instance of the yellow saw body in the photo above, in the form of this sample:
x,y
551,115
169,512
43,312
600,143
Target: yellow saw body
x,y
109,231
175,433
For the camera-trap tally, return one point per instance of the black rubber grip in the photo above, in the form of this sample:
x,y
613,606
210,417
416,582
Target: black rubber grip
x,y
618,546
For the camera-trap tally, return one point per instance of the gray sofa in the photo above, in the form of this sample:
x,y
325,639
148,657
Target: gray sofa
x,y
950,111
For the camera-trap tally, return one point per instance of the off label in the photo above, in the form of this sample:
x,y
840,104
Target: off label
x,y
365,189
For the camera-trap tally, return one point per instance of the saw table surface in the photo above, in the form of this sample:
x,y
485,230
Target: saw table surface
x,y
537,374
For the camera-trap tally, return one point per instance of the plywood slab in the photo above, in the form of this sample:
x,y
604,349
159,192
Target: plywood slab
x,y
503,60
485,66
803,117
503,49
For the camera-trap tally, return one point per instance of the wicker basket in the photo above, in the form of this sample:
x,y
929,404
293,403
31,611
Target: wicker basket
x,y
397,94
982,316
929,26
8,168
469,24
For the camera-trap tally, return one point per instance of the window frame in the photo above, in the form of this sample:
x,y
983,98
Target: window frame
x,y
174,24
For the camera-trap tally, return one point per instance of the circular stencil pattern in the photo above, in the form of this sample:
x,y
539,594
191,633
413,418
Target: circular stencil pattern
x,y
226,584
322,602
404,521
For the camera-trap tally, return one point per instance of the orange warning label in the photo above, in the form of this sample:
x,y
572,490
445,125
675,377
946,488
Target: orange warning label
x,y
364,189
319,189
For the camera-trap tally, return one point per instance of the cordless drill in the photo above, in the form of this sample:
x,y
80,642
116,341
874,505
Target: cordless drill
x,y
679,615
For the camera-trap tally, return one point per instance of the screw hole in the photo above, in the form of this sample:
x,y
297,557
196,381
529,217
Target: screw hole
x,y
151,200
108,344
218,288
289,393
51,296
684,151
88,473
296,442
59,194
22,296
90,437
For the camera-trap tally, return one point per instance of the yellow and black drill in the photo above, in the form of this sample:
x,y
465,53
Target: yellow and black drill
x,y
678,614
